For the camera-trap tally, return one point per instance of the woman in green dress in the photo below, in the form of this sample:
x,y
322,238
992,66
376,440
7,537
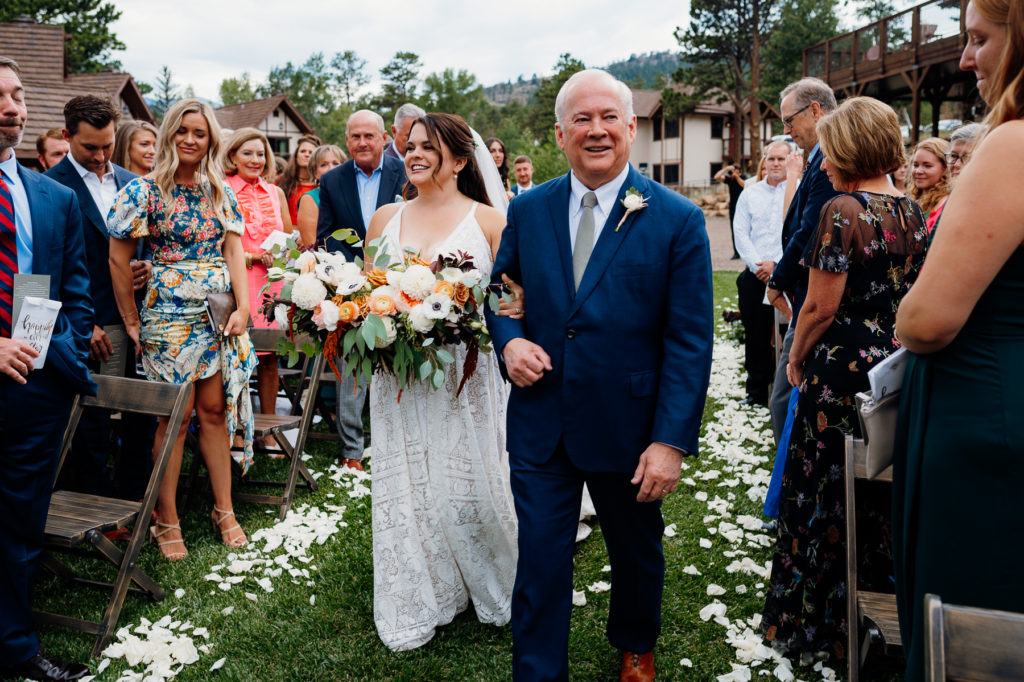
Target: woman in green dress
x,y
959,458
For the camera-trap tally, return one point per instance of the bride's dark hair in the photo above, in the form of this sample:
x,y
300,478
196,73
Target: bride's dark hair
x,y
453,132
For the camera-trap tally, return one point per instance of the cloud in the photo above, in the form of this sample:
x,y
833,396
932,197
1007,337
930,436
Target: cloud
x,y
205,41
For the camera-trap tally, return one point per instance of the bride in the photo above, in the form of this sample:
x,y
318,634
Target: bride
x,y
444,529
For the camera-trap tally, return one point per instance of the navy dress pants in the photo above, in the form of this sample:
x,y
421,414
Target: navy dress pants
x,y
547,499
32,422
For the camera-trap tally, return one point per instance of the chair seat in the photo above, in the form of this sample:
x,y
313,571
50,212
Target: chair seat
x,y
880,609
266,424
73,515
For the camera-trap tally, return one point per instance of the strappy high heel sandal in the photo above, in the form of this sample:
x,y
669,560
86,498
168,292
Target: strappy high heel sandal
x,y
155,536
224,537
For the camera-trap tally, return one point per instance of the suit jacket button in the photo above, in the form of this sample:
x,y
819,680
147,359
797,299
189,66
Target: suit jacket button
x,y
570,334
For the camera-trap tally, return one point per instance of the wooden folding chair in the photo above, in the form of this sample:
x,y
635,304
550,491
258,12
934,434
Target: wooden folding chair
x,y
76,522
265,340
969,643
873,613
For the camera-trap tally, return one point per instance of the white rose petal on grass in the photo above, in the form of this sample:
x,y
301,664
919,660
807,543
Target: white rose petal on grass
x,y
102,666
715,590
691,570
579,598
700,496
312,600
251,597
218,664
227,610
740,673
715,609
705,543
741,589
606,569
686,663
670,530
179,593
600,586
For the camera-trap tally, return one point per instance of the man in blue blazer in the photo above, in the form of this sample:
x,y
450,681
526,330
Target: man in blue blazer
x,y
35,403
89,129
610,364
349,196
803,104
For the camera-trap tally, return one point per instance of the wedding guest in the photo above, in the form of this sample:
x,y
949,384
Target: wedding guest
x,y
734,179
862,258
135,147
961,144
191,221
500,155
51,147
959,436
899,178
35,212
522,167
404,118
295,180
280,164
324,158
930,185
245,161
89,126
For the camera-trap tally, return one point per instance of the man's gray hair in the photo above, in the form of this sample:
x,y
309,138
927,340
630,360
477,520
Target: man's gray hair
x,y
968,132
376,117
578,78
407,111
807,90
7,62
773,143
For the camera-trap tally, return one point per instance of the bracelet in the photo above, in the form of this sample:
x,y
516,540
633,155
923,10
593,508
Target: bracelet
x,y
248,261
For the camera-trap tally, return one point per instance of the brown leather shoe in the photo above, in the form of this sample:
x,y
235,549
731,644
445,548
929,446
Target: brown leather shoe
x,y
637,667
356,464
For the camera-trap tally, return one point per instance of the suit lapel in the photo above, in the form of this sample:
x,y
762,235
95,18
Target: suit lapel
x,y
558,207
610,240
39,204
72,179
388,175
350,198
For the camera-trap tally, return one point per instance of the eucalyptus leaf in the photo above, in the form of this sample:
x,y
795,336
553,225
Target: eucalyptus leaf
x,y
309,349
286,292
425,369
492,301
428,342
438,378
444,356
366,332
348,341
293,358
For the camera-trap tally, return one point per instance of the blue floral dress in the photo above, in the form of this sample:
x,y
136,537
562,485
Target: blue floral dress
x,y
178,342
879,241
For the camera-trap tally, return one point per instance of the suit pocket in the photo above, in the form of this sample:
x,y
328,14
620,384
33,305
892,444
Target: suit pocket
x,y
643,384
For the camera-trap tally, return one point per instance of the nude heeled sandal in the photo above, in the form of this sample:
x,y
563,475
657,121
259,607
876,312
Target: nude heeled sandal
x,y
224,514
155,536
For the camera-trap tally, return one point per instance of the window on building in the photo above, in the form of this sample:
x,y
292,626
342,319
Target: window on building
x,y
278,145
656,122
657,172
671,128
717,126
277,112
715,167
671,174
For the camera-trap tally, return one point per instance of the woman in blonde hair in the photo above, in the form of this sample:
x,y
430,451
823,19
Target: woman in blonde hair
x,y
866,253
324,158
929,174
296,180
135,147
959,456
247,161
193,225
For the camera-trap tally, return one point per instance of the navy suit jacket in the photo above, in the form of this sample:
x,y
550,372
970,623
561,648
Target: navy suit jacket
x,y
339,202
97,239
801,222
631,349
58,250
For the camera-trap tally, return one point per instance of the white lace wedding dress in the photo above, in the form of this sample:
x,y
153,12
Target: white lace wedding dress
x,y
444,525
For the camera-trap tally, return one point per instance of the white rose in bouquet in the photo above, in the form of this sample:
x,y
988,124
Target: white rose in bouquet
x,y
391,333
419,320
327,315
290,275
417,282
437,306
471,278
394,278
281,316
451,275
275,273
308,291
306,262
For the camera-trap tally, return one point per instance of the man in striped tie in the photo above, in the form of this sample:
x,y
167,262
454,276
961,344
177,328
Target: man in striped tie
x,y
40,234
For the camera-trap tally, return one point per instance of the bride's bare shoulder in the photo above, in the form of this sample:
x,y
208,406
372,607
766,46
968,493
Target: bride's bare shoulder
x,y
490,218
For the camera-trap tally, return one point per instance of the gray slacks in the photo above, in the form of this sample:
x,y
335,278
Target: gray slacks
x,y
350,401
779,401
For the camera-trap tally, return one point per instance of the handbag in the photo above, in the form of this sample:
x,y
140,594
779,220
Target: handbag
x,y
219,307
878,425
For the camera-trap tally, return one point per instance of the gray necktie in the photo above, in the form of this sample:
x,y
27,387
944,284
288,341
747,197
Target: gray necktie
x,y
584,238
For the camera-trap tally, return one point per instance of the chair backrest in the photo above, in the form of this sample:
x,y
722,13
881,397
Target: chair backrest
x,y
265,339
968,643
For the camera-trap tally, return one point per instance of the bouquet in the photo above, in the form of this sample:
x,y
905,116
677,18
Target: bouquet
x,y
394,316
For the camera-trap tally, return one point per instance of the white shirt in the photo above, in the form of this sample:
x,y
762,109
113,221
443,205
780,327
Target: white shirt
x,y
757,224
103,191
606,196
22,213
523,188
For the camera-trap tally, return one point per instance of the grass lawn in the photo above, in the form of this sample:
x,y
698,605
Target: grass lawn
x,y
283,636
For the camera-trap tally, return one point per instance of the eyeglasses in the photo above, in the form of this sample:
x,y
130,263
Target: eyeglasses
x,y
788,122
953,157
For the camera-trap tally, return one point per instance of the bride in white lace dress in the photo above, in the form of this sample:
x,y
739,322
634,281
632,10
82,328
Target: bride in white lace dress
x,y
444,526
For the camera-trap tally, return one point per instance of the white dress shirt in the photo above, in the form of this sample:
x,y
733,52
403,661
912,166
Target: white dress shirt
x,y
757,224
606,196
103,191
22,213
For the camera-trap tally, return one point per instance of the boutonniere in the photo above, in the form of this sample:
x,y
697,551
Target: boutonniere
x,y
632,202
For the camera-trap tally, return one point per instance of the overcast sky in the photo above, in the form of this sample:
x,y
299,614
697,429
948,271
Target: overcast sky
x,y
204,41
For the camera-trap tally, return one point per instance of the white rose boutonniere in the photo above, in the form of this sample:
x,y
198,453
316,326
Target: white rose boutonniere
x,y
632,202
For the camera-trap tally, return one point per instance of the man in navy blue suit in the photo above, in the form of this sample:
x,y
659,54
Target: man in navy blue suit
x,y
34,404
349,196
89,129
803,104
610,364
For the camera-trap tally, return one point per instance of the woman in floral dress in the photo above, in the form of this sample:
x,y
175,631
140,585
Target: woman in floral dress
x,y
867,251
193,225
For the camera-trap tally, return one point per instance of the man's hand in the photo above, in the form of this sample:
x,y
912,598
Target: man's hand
x,y
765,268
658,472
515,305
525,362
777,300
100,348
16,359
795,164
142,270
